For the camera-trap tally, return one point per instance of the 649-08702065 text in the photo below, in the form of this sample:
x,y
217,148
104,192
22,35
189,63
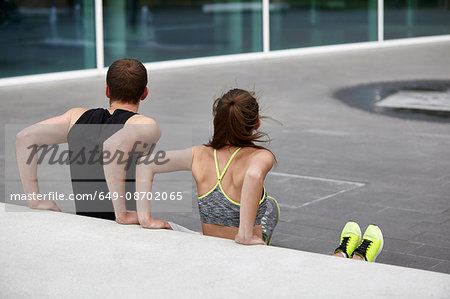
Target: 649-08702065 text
x,y
164,195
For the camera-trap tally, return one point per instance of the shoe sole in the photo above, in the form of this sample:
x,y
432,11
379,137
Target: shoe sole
x,y
381,246
279,215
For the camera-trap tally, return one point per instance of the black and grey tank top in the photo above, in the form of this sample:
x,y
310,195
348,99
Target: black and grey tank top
x,y
217,208
85,140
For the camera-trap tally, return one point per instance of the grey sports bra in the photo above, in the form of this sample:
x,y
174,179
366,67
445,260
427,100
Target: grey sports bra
x,y
217,208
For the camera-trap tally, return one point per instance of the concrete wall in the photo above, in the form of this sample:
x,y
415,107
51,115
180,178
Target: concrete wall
x,y
57,255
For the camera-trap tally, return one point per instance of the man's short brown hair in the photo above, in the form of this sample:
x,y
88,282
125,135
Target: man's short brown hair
x,y
127,80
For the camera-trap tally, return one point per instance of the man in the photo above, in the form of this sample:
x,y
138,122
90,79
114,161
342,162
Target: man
x,y
103,133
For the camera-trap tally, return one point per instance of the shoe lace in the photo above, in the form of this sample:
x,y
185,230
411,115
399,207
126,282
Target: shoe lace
x,y
363,247
343,245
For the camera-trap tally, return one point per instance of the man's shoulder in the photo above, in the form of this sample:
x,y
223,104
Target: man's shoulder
x,y
75,113
140,127
140,119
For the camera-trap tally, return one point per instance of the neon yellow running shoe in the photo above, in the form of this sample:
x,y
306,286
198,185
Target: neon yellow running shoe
x,y
371,245
350,238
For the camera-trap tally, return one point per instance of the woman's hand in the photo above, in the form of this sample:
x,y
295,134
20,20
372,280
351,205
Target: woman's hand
x,y
155,224
131,217
249,240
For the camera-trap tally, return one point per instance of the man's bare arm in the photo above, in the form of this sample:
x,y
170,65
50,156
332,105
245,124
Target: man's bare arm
x,y
48,132
137,135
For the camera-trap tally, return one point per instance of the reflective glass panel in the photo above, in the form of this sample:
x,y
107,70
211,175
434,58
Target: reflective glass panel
x,y
46,36
413,18
163,30
307,23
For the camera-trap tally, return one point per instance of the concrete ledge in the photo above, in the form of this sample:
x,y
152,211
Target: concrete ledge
x,y
56,255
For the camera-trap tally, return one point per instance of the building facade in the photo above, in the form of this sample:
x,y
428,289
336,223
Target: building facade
x,y
80,37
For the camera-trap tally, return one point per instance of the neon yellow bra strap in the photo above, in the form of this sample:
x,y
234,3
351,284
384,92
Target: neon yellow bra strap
x,y
220,176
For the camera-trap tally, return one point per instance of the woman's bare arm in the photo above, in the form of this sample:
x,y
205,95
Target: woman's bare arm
x,y
258,168
175,161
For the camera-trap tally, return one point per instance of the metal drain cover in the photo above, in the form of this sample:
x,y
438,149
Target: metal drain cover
x,y
420,100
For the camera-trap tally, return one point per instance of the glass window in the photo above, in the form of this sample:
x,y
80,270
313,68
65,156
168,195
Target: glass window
x,y
151,30
38,37
306,23
413,18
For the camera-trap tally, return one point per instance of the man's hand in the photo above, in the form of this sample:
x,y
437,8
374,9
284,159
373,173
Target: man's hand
x,y
155,224
249,240
43,205
129,217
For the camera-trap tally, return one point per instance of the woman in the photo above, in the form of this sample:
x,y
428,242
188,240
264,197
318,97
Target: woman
x,y
229,172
